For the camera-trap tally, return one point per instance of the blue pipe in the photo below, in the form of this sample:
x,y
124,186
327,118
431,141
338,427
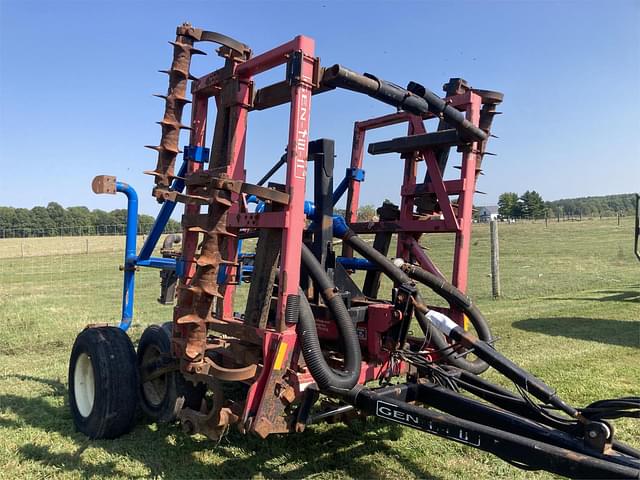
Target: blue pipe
x,y
163,216
158,262
357,263
309,206
339,191
129,254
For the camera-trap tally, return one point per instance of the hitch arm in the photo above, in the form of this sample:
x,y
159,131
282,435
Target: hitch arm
x,y
518,449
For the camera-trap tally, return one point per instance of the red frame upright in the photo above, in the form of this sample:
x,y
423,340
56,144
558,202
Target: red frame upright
x,y
279,343
456,220
278,346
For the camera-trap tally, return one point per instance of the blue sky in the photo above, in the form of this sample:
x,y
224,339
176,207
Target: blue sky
x,y
76,80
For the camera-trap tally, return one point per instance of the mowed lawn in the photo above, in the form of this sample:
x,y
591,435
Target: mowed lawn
x,y
570,313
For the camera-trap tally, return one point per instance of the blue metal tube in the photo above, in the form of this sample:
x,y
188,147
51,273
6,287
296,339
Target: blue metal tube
x,y
129,253
357,263
340,189
163,216
158,262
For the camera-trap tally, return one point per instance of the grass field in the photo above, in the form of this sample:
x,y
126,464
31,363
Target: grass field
x,y
570,313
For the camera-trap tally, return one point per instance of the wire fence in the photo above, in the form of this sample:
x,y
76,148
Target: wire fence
x,y
71,265
76,231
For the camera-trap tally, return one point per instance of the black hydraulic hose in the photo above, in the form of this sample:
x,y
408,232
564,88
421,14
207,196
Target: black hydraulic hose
x,y
391,94
450,114
454,296
396,274
327,378
506,367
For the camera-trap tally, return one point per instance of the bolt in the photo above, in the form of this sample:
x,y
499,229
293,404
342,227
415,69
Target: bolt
x,y
592,434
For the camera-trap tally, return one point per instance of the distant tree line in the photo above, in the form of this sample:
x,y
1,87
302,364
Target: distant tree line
x,y
604,206
531,205
54,220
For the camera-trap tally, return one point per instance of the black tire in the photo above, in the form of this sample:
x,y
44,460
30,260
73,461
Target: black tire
x,y
163,397
102,383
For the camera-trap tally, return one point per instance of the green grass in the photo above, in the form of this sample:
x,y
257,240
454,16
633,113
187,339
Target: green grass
x,y
570,314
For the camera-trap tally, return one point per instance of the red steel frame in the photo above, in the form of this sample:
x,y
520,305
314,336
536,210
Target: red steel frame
x,y
454,219
280,347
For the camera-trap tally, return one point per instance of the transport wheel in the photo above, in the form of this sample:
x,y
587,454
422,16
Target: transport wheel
x,y
163,396
102,382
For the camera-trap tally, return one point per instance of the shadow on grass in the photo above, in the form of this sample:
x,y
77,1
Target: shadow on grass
x,y
613,332
168,453
608,296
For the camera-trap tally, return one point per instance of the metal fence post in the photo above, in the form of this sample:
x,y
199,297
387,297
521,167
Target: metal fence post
x,y
495,259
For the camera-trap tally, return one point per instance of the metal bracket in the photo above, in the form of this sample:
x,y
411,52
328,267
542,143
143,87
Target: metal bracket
x,y
355,174
294,67
104,184
196,154
403,303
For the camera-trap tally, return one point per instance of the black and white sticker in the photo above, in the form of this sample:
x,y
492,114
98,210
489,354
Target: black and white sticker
x,y
396,414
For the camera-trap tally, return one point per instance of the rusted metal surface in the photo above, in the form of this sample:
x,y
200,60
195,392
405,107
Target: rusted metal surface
x,y
263,277
104,184
230,374
214,417
175,100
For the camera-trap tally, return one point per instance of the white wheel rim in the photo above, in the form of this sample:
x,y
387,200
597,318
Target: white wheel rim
x,y
84,385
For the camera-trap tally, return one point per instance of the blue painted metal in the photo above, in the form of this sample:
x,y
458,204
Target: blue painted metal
x,y
259,204
340,226
163,216
196,154
357,263
309,206
129,253
158,262
356,174
180,267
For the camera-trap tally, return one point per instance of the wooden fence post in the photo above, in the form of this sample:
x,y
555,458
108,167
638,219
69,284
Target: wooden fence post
x,y
495,259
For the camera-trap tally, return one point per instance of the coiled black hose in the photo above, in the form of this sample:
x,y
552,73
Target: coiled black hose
x,y
440,286
327,378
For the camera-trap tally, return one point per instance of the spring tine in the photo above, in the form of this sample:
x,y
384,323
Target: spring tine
x,y
188,48
175,99
170,124
161,148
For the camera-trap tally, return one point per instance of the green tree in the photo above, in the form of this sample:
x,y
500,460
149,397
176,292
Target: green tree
x,y
23,222
57,213
80,218
508,205
43,222
7,221
366,213
532,204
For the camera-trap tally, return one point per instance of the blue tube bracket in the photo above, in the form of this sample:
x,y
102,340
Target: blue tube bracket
x,y
196,154
356,174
